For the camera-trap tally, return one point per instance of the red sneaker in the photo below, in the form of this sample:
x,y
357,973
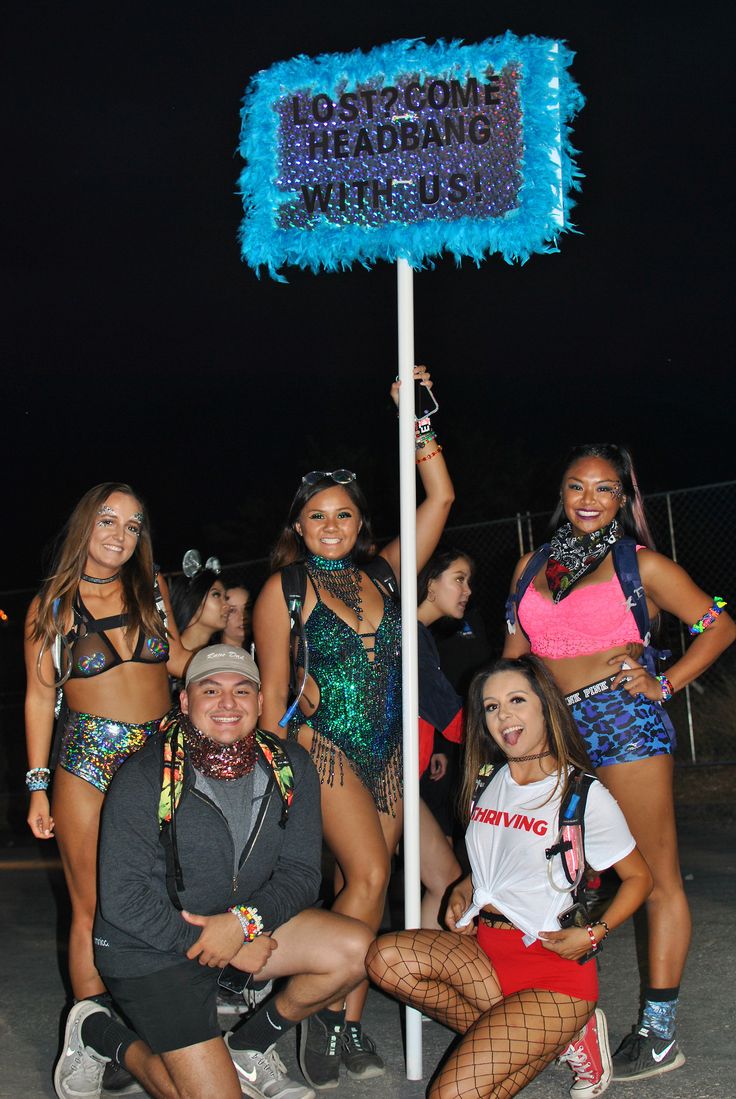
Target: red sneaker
x,y
589,1058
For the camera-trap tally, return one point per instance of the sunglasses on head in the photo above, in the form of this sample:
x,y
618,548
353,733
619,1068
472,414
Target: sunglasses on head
x,y
339,476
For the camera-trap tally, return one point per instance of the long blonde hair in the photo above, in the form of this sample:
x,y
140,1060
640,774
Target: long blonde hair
x,y
136,575
564,740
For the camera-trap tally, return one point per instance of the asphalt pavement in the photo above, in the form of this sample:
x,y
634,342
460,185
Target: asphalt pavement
x,y
33,995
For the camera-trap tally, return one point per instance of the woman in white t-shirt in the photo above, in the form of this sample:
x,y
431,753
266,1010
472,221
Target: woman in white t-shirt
x,y
512,986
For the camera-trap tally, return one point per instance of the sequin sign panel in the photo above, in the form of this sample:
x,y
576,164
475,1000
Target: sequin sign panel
x,y
409,150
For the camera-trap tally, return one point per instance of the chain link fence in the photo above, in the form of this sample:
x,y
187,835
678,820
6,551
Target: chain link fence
x,y
695,526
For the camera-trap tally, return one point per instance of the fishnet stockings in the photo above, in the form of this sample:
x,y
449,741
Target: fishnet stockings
x,y
506,1042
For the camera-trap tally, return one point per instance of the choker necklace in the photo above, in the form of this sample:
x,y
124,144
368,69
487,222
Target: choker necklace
x,y
100,579
215,760
527,759
340,578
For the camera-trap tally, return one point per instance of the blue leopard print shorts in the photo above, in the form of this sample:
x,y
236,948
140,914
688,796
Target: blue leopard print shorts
x,y
619,728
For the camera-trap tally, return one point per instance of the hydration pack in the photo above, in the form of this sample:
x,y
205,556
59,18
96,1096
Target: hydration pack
x,y
569,842
172,783
626,568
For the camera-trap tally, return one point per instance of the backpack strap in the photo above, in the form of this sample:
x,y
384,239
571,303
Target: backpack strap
x,y
379,569
294,584
530,570
158,597
627,571
276,756
172,785
570,840
486,774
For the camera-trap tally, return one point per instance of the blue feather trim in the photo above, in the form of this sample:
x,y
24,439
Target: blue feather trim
x,y
532,226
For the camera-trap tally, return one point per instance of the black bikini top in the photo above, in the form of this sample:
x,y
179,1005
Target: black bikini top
x,y
92,652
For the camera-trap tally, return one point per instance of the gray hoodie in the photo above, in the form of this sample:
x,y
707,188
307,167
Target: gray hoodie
x,y
138,930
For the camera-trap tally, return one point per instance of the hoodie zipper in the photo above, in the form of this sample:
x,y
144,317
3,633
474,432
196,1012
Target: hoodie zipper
x,y
252,838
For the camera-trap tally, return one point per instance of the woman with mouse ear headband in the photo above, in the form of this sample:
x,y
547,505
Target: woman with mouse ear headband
x,y
199,601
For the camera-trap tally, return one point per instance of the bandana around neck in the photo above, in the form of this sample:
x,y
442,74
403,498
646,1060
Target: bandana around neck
x,y
571,558
219,760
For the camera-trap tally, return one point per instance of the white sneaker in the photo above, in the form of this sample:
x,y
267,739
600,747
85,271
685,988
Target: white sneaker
x,y
263,1075
78,1072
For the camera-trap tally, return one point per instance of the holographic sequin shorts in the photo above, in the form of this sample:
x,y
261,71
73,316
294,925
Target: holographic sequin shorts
x,y
92,747
620,728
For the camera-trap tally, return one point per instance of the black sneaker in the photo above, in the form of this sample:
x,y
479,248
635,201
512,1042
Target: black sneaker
x,y
643,1054
359,1054
319,1053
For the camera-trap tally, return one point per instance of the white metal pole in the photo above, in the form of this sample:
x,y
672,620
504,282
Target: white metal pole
x,y
410,684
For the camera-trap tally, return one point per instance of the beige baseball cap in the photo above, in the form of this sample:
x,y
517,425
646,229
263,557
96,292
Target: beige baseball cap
x,y
222,658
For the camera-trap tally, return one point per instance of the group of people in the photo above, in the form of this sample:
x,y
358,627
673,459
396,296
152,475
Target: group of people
x,y
206,813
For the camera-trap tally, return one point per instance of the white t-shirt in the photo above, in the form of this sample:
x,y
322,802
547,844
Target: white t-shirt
x,y
506,839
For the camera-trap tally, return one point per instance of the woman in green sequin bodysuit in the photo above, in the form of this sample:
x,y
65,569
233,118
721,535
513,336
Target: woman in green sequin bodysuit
x,y
351,706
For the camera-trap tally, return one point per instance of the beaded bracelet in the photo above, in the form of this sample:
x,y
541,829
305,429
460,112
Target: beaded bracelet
x,y
422,440
667,689
38,778
427,457
602,923
709,617
249,920
591,936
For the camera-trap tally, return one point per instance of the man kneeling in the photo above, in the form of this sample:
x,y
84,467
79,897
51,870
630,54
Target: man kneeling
x,y
210,858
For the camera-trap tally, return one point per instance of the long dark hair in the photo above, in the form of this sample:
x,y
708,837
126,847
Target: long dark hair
x,y
438,563
564,740
290,544
136,575
187,596
631,515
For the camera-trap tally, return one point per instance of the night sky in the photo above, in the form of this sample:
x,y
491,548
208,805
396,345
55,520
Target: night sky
x,y
138,347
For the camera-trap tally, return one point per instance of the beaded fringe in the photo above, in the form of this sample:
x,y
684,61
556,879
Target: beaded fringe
x,y
385,787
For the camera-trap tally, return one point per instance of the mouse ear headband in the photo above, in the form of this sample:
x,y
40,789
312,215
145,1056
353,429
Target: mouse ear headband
x,y
192,564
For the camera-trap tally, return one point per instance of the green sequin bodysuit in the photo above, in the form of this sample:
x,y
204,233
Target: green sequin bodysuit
x,y
359,712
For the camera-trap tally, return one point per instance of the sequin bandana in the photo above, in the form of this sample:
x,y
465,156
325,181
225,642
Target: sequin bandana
x,y
571,558
215,760
339,578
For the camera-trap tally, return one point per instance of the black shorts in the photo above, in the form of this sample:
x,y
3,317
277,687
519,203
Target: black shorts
x,y
172,1008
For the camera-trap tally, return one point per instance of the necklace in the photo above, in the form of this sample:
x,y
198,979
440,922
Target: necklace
x,y
527,759
339,578
100,579
224,761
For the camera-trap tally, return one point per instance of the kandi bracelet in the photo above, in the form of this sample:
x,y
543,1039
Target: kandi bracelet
x,y
249,920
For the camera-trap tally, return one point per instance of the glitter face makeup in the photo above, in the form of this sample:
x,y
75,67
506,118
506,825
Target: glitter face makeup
x,y
105,509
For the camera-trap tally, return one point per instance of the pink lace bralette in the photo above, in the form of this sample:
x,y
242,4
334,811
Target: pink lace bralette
x,y
588,620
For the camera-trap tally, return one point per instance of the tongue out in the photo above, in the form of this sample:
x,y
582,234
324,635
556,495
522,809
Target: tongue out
x,y
511,737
